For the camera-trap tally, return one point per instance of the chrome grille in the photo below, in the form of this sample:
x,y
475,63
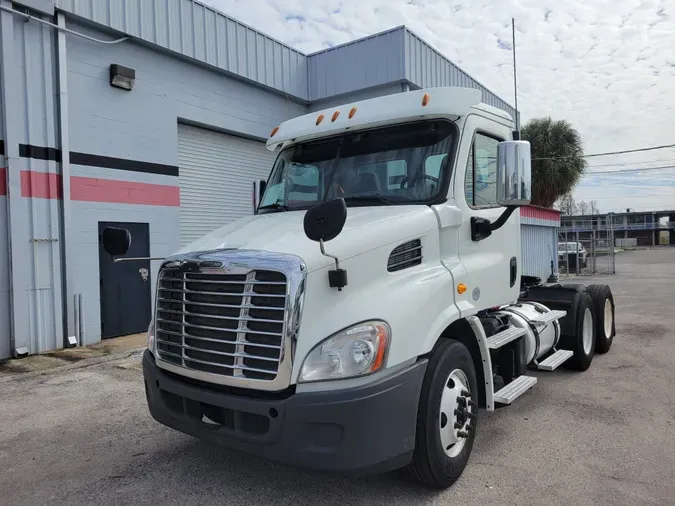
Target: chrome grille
x,y
225,324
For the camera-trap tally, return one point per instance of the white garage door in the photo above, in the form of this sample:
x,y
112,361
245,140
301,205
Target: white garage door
x,y
216,175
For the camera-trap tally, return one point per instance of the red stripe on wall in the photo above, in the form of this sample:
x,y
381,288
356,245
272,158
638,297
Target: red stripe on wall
x,y
89,189
3,181
40,185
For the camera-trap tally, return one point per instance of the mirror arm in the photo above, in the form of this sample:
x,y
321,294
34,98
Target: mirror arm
x,y
136,259
482,228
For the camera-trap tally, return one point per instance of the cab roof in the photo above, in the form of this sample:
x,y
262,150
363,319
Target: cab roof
x,y
445,102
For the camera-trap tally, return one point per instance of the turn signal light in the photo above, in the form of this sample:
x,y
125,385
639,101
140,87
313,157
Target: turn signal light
x,y
352,112
276,129
335,115
425,99
319,119
461,288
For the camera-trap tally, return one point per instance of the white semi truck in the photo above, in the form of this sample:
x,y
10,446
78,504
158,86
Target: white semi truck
x,y
373,301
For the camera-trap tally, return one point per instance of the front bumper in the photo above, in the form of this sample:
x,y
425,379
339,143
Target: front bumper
x,y
361,430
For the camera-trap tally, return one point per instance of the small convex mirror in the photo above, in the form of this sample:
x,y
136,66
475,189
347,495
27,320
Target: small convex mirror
x,y
116,241
514,174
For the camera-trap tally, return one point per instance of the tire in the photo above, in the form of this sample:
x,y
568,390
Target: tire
x,y
605,327
583,355
431,465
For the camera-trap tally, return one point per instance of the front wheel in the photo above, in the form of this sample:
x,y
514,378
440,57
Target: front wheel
x,y
447,416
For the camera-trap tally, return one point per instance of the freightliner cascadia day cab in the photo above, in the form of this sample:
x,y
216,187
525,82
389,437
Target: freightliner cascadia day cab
x,y
373,301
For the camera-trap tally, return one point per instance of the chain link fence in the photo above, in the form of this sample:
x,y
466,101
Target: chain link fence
x,y
586,251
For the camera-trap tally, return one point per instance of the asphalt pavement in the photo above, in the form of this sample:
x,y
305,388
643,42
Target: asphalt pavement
x,y
605,436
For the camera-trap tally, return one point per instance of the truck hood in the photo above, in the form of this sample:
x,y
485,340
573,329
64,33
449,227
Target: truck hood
x,y
366,228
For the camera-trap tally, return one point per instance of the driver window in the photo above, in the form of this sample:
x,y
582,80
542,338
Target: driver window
x,y
480,185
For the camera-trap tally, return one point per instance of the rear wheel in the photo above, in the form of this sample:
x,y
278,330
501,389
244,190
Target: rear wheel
x,y
605,329
447,416
582,342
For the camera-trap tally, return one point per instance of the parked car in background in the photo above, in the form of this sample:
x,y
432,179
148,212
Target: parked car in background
x,y
572,249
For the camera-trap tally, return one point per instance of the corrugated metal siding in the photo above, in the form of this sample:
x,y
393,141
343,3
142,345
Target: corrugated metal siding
x,y
34,226
5,351
427,68
198,31
539,245
365,63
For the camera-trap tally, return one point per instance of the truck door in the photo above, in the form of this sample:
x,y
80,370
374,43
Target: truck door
x,y
491,267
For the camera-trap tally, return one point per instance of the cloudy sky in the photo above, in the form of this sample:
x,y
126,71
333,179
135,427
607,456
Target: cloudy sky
x,y
607,66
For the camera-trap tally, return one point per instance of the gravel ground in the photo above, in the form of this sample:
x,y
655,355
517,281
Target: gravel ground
x,y
605,436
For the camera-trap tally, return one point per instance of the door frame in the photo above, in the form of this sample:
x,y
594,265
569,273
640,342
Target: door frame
x,y
101,252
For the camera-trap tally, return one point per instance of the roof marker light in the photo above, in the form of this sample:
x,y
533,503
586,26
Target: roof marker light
x,y
335,116
352,112
319,119
425,99
276,129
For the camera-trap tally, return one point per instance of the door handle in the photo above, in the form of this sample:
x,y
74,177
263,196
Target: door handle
x,y
144,273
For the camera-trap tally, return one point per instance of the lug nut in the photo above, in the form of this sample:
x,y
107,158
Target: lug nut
x,y
464,393
461,401
462,434
472,404
458,425
458,412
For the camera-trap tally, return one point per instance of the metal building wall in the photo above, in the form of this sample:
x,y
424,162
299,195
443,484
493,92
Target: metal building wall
x,y
5,350
539,240
365,63
137,133
199,32
426,67
28,85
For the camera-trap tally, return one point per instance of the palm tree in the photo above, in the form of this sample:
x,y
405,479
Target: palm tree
x,y
557,159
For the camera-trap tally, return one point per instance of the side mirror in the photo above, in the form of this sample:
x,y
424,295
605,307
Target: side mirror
x,y
514,174
324,222
116,241
259,186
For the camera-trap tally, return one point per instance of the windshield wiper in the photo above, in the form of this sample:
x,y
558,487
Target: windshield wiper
x,y
276,206
368,198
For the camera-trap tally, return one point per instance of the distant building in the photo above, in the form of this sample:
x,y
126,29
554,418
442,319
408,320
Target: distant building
x,y
643,226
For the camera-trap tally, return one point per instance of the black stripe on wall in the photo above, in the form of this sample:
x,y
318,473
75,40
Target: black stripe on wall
x,y
39,152
106,162
2,147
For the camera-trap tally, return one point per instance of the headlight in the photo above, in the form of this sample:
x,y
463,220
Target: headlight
x,y
151,337
356,351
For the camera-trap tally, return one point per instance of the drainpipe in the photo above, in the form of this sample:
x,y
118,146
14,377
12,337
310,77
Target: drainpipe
x,y
69,338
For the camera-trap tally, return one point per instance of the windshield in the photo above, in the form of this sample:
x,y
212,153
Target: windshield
x,y
404,164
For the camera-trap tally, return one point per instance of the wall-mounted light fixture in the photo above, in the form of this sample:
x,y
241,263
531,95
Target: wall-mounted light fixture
x,y
122,77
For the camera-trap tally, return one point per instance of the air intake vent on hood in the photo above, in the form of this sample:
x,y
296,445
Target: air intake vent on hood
x,y
406,255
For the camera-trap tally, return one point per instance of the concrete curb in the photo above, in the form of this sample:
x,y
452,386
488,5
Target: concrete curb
x,y
82,364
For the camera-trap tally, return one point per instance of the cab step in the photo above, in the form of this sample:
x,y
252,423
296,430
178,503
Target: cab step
x,y
549,317
505,337
555,360
515,389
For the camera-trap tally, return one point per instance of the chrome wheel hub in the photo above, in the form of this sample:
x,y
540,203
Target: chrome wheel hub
x,y
609,318
457,413
587,331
